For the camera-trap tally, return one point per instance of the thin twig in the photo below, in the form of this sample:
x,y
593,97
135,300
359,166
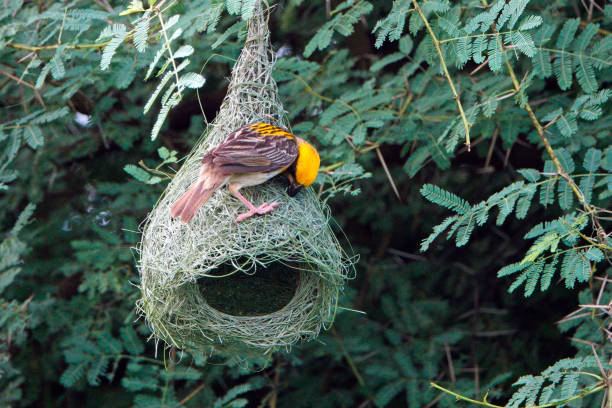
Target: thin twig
x,y
26,83
348,358
59,37
192,393
466,124
449,359
388,173
491,146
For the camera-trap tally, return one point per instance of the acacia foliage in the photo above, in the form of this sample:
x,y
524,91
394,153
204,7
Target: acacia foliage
x,y
88,93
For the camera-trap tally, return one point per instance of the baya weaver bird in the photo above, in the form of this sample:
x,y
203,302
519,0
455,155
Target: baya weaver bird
x,y
249,156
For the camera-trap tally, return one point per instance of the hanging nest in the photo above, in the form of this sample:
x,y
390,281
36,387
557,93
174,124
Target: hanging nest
x,y
248,288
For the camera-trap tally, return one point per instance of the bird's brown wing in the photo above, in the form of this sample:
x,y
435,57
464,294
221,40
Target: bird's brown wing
x,y
254,148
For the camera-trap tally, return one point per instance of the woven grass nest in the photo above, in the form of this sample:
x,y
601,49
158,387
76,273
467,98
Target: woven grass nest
x,y
250,288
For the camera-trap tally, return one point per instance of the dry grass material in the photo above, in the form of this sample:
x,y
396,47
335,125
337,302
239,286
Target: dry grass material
x,y
296,238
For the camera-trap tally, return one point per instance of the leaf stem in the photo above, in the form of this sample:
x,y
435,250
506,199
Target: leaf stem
x,y
436,42
54,46
484,403
163,29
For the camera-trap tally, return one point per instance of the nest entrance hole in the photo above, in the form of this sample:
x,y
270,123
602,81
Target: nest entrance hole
x,y
266,291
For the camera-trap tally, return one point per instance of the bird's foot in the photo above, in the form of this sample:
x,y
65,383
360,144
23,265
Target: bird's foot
x,y
262,209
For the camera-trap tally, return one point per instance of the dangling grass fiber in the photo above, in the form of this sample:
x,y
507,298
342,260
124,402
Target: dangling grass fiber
x,y
175,258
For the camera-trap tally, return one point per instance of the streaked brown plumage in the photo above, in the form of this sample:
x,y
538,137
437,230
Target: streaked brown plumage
x,y
247,157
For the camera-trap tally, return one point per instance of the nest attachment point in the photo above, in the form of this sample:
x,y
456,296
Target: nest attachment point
x,y
240,289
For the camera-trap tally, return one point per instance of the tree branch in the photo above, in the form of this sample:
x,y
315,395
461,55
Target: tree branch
x,y
466,124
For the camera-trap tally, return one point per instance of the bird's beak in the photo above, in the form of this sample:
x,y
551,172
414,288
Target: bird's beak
x,y
294,188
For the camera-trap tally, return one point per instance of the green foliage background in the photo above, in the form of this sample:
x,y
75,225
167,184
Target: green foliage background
x,y
97,106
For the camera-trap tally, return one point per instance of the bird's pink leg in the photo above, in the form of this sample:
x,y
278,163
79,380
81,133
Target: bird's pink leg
x,y
262,209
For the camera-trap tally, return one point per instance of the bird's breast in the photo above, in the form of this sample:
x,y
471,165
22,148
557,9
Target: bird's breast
x,y
252,179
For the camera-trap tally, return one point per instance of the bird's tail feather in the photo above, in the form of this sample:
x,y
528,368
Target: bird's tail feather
x,y
190,202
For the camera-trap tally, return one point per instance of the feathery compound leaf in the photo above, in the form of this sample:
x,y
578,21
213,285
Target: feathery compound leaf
x,y
465,232
111,47
524,202
566,195
567,124
563,70
533,276
523,42
531,175
547,193
131,341
548,241
438,229
563,63
530,22
162,83
246,11
43,75
548,273
479,46
585,74
183,51
511,13
33,136
57,67
444,198
568,268
586,186
392,26
541,64
566,160
72,374
583,40
594,254
342,23
141,34
528,392
191,80
163,113
511,269
111,31
592,160
567,34
136,172
158,55
495,53
506,206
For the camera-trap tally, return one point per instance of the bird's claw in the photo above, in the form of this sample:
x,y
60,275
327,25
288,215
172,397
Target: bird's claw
x,y
262,209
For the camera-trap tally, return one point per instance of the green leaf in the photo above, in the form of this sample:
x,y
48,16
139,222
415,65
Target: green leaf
x,y
33,136
111,47
132,343
191,80
388,392
57,67
592,160
566,195
136,172
594,254
72,374
42,76
531,175
444,198
495,53
566,160
141,33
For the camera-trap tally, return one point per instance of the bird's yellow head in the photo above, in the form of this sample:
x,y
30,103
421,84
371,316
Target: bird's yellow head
x,y
306,166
